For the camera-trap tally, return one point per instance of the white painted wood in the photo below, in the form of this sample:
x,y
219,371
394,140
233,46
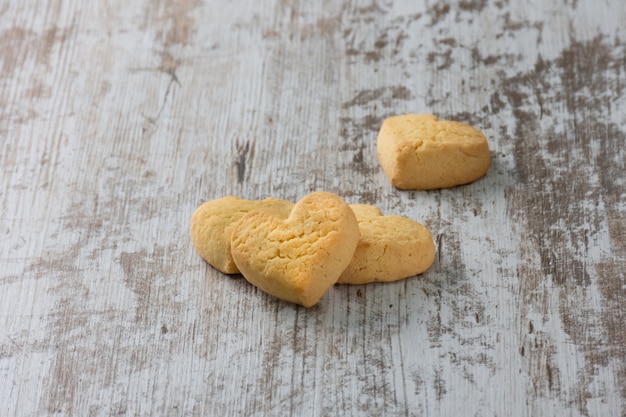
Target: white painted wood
x,y
117,119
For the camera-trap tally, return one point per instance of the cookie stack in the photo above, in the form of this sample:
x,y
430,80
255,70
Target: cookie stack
x,y
296,252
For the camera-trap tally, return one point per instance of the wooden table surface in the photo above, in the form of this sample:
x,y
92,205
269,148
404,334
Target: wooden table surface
x,y
118,118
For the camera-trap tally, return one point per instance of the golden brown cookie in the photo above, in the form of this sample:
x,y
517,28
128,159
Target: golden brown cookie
x,y
212,224
297,257
420,152
390,248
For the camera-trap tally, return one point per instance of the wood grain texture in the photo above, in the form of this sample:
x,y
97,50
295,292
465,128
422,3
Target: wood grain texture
x,y
117,119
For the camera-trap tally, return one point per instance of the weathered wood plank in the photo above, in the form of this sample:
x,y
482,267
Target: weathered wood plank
x,y
117,120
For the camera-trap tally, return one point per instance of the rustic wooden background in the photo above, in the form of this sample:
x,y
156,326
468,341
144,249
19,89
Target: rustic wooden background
x,y
118,118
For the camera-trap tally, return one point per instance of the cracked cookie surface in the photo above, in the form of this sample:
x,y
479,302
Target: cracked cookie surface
x,y
299,256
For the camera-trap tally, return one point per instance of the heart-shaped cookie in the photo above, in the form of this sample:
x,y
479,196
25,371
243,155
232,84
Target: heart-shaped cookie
x,y
390,248
297,257
419,152
212,224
